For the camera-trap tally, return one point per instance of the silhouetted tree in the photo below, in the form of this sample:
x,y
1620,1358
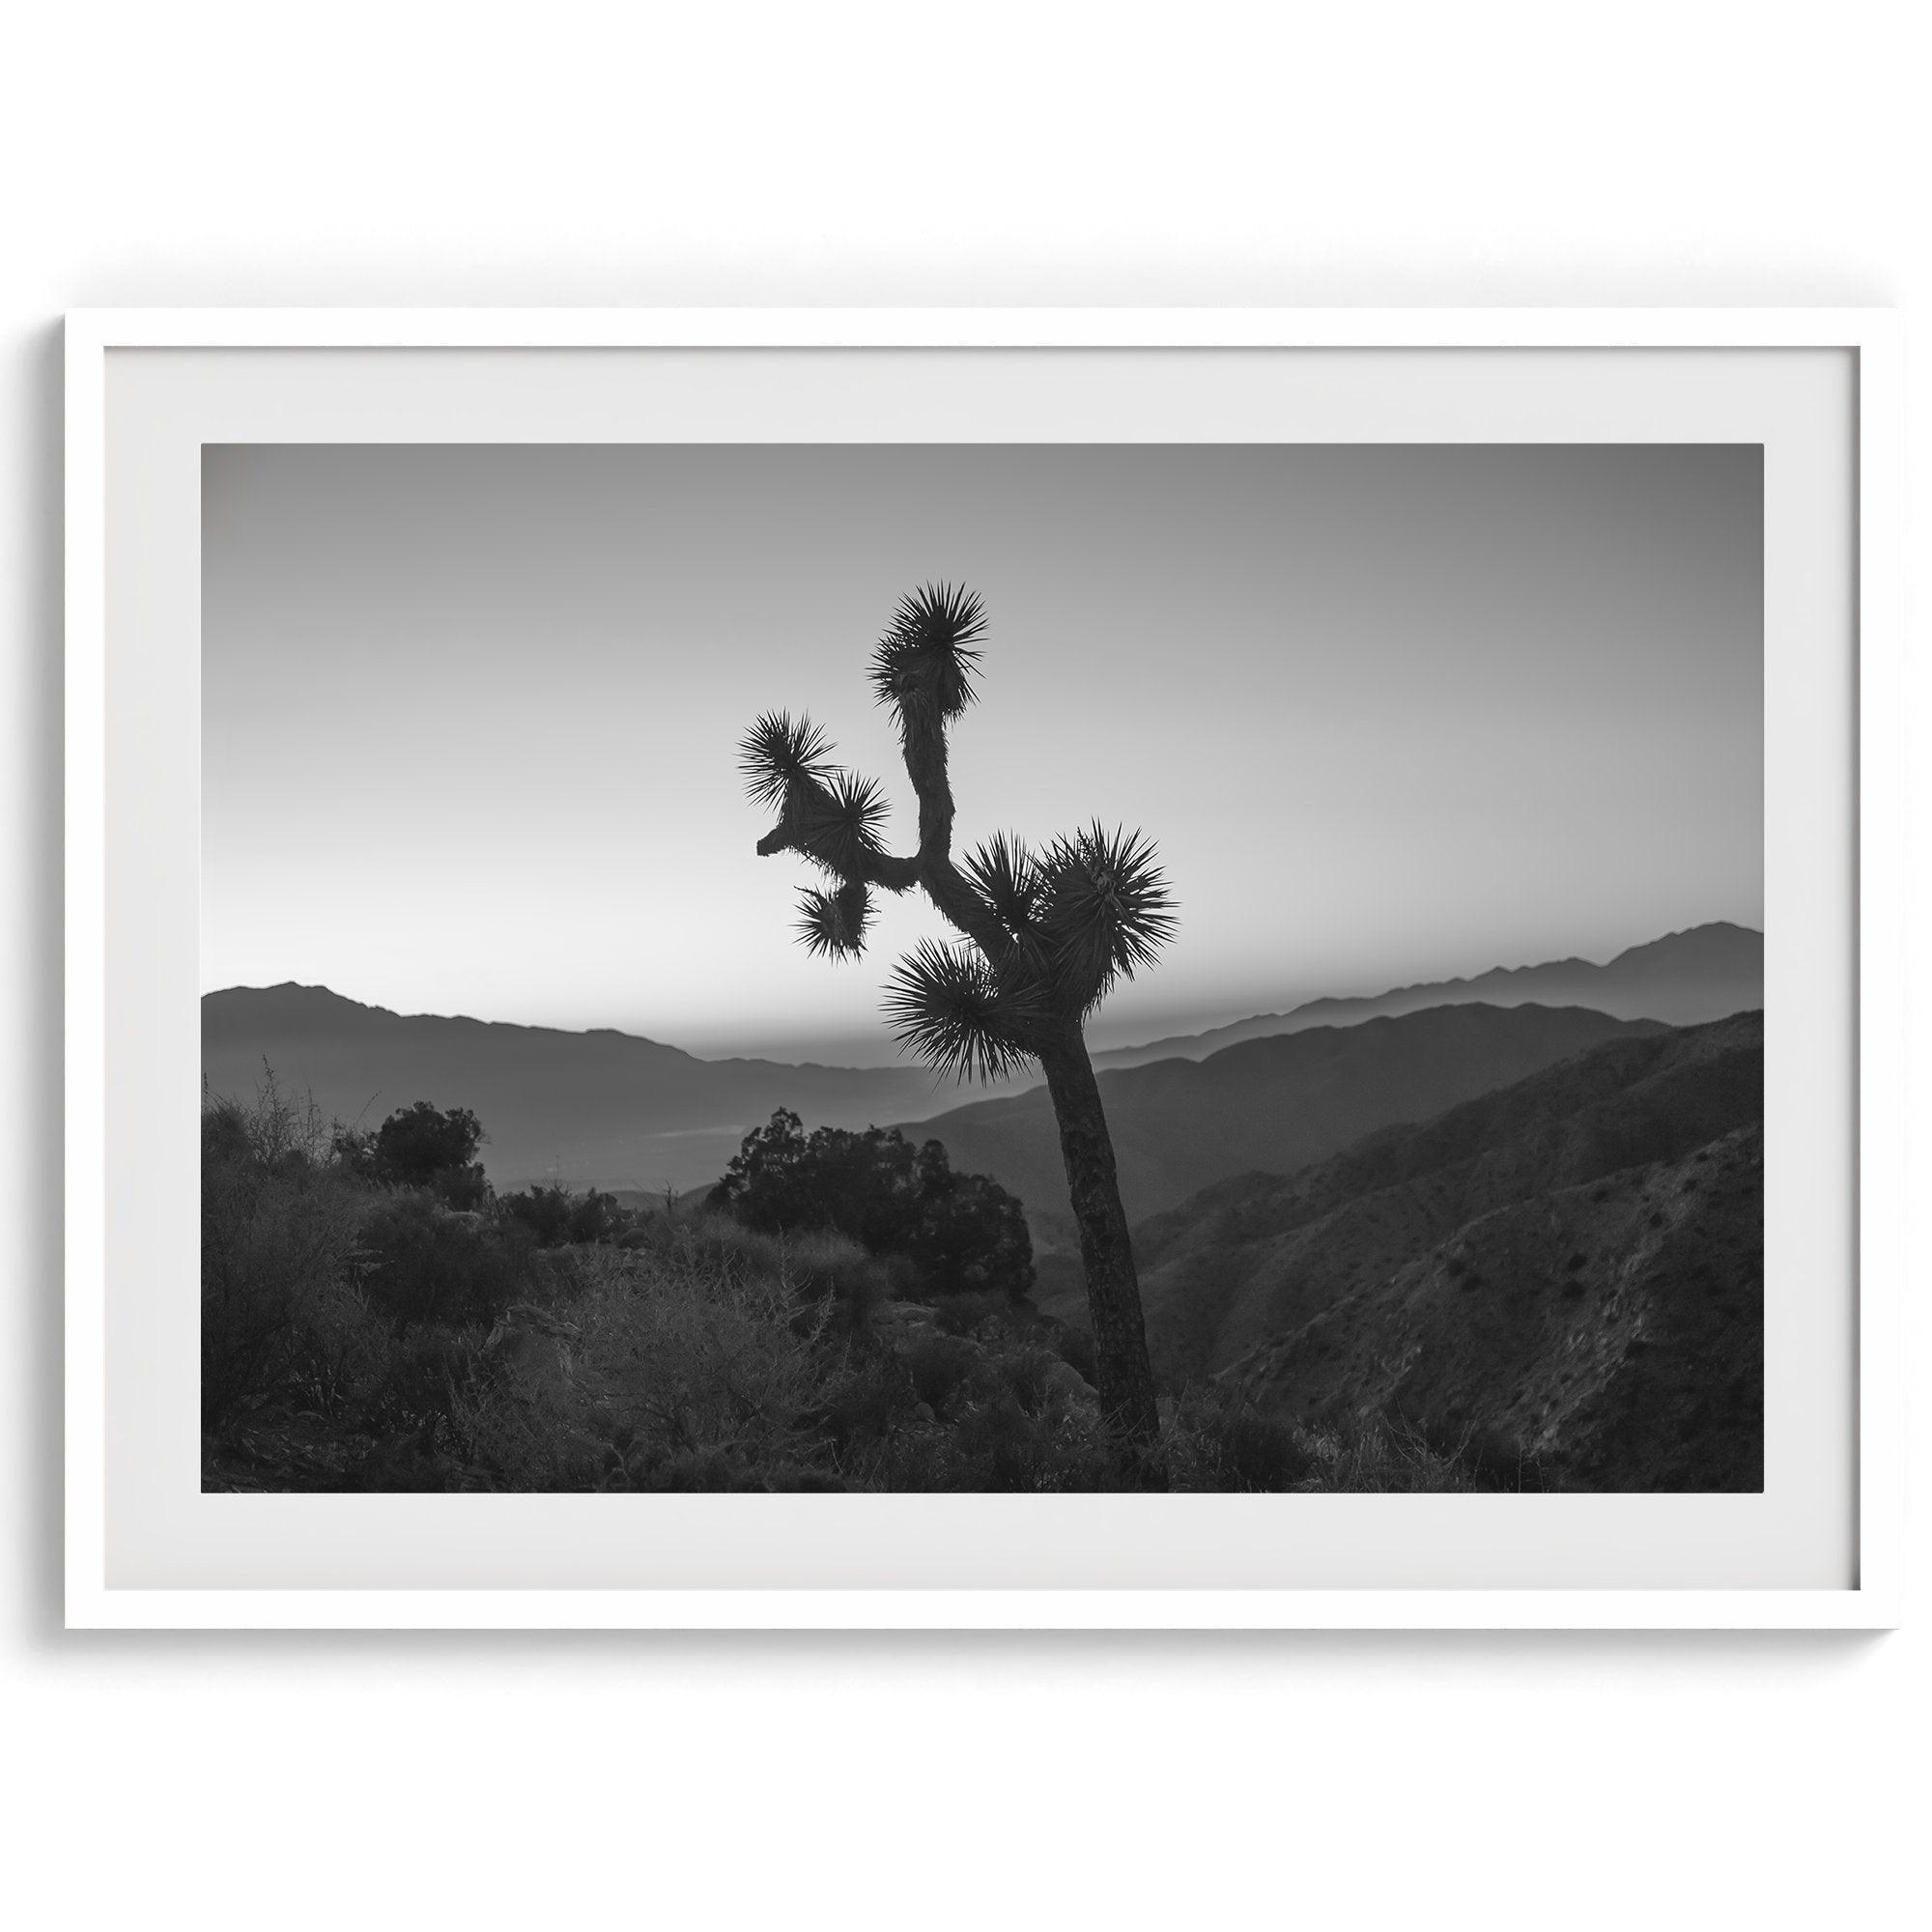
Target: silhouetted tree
x,y
424,1146
964,1233
1046,935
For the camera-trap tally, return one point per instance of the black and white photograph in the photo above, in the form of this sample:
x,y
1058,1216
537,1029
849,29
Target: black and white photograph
x,y
963,966
983,968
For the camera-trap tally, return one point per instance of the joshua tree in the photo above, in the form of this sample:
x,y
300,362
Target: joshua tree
x,y
1044,936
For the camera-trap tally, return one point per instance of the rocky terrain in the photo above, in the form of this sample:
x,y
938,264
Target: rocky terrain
x,y
1565,1276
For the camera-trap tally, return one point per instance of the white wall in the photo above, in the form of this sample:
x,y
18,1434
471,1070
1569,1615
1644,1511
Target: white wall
x,y
395,153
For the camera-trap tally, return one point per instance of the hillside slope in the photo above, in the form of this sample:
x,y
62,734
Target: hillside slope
x,y
1280,1103
1684,978
1568,1272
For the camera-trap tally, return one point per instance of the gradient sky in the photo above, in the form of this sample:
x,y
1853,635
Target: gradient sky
x,y
1390,713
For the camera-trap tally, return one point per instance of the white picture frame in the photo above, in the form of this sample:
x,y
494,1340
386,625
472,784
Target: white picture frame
x,y
1871,1596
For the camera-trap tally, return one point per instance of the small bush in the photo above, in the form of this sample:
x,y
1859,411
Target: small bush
x,y
422,1263
1488,1456
556,1217
938,1367
824,1267
874,1402
278,1240
421,1382
1001,1447
1219,1440
663,1372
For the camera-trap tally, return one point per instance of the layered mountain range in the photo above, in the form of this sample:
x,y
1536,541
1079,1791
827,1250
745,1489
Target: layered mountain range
x,y
1683,979
1275,1103
616,1110
599,1109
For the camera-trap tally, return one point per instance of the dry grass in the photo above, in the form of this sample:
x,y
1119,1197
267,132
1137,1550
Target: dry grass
x,y
278,1245
650,1370
1376,1457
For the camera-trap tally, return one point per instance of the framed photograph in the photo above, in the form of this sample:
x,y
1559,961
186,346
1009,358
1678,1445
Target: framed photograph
x,y
983,969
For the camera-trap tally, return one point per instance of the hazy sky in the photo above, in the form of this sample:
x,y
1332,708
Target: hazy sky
x,y
470,714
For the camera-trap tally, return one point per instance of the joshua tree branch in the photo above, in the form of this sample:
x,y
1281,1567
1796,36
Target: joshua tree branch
x,y
924,737
884,870
931,865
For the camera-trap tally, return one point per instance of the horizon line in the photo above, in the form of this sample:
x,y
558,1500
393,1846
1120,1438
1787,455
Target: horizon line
x,y
1207,1026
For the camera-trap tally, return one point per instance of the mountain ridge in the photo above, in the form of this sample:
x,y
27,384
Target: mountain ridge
x,y
1561,1278
1276,1103
607,1108
1568,1274
601,1108
1698,973
1631,1098
1319,1010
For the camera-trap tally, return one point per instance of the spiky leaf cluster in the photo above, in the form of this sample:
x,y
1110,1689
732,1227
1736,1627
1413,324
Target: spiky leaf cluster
x,y
779,753
833,925
1007,877
1107,912
928,660
963,1018
838,820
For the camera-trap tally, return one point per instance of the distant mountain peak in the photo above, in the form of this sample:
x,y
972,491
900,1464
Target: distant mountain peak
x,y
1743,940
292,998
1682,978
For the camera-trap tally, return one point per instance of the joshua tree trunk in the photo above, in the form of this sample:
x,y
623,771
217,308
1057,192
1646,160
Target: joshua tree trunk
x,y
1106,1254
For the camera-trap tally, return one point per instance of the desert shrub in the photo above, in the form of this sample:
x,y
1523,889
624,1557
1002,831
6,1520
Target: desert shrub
x,y
963,1232
1036,1377
826,1266
872,1400
422,1263
278,1238
597,1217
664,1371
1020,1419
1374,1455
1217,1440
1490,1456
938,1367
975,1312
419,1379
1002,1446
555,1217
341,1352
818,1265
